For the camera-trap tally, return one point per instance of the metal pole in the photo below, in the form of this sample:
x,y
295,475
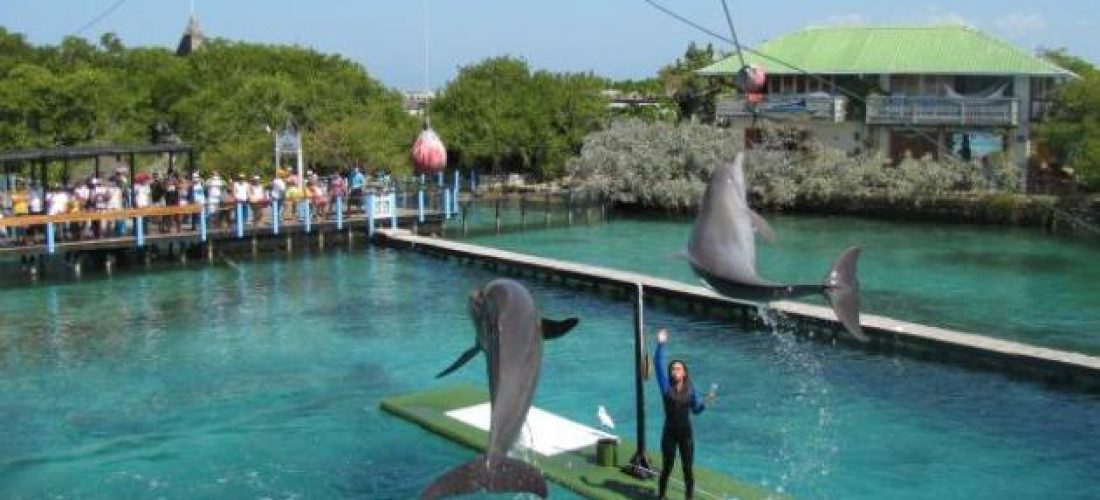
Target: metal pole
x,y
393,211
458,177
139,230
276,214
420,205
339,213
240,219
133,188
370,214
497,207
446,203
202,222
51,245
308,215
639,463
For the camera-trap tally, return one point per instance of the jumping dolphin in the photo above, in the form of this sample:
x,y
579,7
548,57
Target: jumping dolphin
x,y
510,333
722,251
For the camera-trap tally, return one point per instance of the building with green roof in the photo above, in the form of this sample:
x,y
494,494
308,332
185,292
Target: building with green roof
x,y
899,89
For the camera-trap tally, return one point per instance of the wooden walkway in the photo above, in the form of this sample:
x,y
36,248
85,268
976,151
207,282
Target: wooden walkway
x,y
48,239
887,334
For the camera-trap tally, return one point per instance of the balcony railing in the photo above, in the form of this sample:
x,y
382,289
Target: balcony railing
x,y
820,107
942,111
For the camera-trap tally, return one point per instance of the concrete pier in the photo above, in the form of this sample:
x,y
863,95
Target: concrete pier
x,y
1068,369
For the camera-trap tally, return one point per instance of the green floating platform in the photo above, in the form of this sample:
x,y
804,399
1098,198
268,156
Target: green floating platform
x,y
576,470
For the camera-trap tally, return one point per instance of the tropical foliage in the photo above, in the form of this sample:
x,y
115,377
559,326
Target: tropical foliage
x,y
1073,132
501,115
225,99
666,166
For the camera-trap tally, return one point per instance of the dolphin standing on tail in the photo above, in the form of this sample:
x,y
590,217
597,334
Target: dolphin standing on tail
x,y
722,251
510,333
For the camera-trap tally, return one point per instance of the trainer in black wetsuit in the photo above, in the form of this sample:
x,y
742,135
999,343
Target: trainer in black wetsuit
x,y
679,399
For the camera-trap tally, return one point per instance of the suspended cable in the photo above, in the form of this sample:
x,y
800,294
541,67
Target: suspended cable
x,y
733,33
100,17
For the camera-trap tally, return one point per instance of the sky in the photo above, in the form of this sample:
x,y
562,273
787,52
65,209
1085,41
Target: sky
x,y
620,39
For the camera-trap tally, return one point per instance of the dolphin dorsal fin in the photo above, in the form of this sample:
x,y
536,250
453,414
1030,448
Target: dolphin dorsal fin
x,y
552,329
463,359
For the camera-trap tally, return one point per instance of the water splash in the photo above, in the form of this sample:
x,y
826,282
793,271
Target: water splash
x,y
807,425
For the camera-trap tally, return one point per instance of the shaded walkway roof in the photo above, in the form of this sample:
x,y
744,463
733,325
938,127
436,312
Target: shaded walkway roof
x,y
79,152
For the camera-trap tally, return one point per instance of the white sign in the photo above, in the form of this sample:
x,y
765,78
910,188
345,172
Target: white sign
x,y
383,207
288,141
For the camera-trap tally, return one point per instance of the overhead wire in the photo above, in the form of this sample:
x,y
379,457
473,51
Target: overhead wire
x,y
820,79
103,15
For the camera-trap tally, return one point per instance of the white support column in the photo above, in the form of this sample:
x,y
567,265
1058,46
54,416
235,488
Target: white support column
x,y
883,132
1020,137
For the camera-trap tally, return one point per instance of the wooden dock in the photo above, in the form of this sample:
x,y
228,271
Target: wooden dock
x,y
888,335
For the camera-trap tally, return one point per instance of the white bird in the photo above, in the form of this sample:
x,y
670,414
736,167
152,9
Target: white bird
x,y
605,418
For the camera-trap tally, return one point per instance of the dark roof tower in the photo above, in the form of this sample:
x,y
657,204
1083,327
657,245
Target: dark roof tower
x,y
192,38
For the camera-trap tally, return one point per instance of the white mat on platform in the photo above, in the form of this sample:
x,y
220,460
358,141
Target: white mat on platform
x,y
544,432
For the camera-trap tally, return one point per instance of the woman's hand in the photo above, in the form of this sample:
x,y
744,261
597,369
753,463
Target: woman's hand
x,y
662,336
712,394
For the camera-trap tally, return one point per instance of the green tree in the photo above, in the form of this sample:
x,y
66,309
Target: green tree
x,y
499,114
694,95
1072,133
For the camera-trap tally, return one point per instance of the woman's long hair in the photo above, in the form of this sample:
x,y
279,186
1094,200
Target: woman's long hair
x,y
684,391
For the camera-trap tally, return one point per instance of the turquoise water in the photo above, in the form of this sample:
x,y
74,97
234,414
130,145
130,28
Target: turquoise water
x,y
1011,283
263,381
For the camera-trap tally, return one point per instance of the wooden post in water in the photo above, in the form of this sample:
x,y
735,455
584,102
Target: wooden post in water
x,y
546,209
523,211
497,205
569,207
464,214
587,206
639,464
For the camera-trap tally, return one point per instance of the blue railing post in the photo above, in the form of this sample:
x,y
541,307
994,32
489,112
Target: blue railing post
x,y
51,244
439,178
339,213
370,214
202,222
308,215
454,198
473,182
276,215
139,230
447,203
393,211
240,220
420,205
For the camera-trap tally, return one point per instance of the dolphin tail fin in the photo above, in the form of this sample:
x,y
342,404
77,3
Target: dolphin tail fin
x,y
552,329
842,290
494,473
463,359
